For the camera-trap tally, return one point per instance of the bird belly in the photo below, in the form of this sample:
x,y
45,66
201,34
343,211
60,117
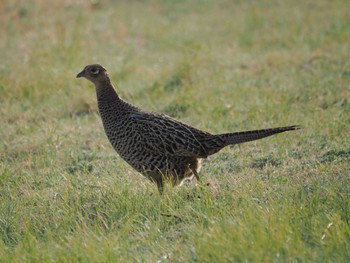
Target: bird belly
x,y
154,166
158,167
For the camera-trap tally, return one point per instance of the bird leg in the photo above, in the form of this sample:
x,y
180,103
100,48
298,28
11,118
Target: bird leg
x,y
160,186
196,174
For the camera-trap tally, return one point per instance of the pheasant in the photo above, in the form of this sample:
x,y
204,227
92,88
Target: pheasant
x,y
154,144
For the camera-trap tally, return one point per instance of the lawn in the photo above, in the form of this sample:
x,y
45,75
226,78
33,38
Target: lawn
x,y
65,195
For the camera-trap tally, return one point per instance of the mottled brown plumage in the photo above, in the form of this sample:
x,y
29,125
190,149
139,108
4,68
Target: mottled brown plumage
x,y
154,144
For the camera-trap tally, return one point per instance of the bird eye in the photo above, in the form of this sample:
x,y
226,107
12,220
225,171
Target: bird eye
x,y
95,71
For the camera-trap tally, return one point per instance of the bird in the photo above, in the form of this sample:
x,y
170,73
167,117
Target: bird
x,y
156,145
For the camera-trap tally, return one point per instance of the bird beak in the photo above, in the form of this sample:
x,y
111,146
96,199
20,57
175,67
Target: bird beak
x,y
81,74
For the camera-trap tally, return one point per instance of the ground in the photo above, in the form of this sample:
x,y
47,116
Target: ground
x,y
221,66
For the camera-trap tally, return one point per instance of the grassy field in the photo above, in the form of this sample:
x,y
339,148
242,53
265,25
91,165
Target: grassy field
x,y
65,196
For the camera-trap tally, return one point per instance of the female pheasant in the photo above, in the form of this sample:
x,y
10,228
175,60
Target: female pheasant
x,y
154,144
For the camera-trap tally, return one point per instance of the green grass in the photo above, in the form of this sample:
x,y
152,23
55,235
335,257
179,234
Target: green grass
x,y
220,66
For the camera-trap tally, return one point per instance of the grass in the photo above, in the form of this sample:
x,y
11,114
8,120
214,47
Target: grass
x,y
221,66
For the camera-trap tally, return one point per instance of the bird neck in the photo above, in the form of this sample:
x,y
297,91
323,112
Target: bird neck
x,y
106,92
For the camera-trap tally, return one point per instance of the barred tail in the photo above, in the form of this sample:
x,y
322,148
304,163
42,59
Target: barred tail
x,y
246,136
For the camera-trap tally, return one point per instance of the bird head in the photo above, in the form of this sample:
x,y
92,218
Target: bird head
x,y
95,73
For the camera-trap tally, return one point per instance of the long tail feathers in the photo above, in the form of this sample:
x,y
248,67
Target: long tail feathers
x,y
246,136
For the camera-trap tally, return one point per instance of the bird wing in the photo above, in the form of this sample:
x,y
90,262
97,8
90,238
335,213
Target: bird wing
x,y
162,134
